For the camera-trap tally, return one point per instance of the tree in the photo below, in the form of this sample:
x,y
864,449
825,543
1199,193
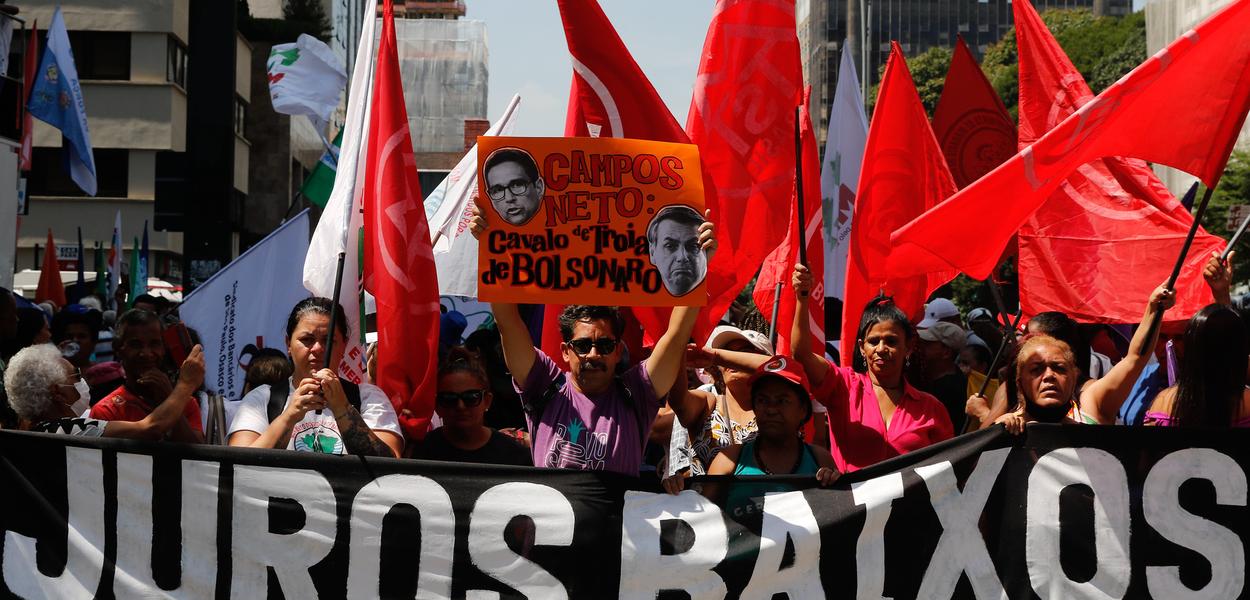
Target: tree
x,y
1233,189
1103,49
928,70
309,14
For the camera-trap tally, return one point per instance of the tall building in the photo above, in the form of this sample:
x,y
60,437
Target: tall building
x,y
443,65
1166,20
153,163
868,27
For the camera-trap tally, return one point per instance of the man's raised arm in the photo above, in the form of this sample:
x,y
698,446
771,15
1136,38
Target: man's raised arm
x,y
518,346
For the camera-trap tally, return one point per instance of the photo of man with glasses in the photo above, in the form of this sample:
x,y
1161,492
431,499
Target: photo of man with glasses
x,y
513,184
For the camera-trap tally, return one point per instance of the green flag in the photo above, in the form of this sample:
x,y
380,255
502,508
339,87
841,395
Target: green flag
x,y
319,184
137,287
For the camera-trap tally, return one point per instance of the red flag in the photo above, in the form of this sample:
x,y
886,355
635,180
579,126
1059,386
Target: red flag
x,y
1183,107
1102,242
904,174
971,123
29,66
779,265
50,285
740,116
610,97
399,260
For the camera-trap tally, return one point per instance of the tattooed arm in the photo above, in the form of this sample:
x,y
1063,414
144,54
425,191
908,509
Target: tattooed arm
x,y
358,438
363,441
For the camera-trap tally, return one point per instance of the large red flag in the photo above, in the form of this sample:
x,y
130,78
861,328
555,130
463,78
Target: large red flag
x,y
610,97
50,285
904,174
741,118
1109,235
1183,107
971,123
399,260
779,264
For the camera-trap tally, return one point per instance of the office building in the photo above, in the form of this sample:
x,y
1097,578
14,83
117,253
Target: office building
x,y
868,27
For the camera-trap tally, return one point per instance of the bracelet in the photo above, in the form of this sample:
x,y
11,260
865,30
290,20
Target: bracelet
x,y
340,415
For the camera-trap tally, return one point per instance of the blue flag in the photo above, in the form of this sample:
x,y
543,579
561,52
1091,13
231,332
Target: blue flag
x,y
56,99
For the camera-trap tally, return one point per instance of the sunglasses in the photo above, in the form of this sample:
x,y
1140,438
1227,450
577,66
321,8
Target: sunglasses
x,y
470,398
582,346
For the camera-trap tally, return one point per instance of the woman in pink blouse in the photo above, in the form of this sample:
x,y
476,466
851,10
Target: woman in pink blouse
x,y
876,414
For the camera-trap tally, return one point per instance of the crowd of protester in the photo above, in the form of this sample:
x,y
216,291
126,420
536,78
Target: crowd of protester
x,y
735,405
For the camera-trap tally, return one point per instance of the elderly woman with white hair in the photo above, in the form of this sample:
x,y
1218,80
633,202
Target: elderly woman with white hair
x,y
50,396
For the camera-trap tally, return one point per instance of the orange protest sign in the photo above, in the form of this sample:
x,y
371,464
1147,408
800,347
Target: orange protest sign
x,y
590,221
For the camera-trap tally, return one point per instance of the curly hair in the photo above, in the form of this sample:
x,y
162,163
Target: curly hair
x,y
29,378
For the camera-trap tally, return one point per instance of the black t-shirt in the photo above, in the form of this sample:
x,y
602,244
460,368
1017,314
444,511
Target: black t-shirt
x,y
499,450
952,391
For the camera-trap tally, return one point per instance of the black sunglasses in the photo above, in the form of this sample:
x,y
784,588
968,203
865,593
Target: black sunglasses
x,y
582,346
470,398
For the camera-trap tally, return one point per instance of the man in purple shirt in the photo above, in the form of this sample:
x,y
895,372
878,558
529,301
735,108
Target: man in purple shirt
x,y
591,418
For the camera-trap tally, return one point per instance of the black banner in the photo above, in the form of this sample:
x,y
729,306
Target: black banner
x,y
1062,512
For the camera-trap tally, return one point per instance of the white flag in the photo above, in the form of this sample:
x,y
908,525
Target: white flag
x,y
340,226
839,176
449,210
234,315
446,206
305,78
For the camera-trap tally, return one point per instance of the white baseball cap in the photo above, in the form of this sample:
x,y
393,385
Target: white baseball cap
x,y
723,334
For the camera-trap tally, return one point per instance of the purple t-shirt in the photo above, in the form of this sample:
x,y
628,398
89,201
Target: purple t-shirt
x,y
603,432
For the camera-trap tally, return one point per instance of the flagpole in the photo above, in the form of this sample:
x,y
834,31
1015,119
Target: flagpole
x,y
1002,347
801,218
1236,236
997,293
1156,318
772,322
338,278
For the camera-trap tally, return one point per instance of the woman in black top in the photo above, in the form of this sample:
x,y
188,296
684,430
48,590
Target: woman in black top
x,y
462,401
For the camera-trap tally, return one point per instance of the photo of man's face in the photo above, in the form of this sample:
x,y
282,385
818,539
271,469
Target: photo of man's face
x,y
673,237
514,190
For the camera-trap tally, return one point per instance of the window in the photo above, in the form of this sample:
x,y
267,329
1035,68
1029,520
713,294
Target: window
x,y
101,54
176,63
48,176
240,117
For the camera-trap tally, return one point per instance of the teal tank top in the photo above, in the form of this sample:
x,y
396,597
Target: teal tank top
x,y
746,498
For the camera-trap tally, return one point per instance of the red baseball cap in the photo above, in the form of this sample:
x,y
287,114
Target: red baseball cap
x,y
787,369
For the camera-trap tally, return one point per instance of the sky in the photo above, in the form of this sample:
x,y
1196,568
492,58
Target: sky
x,y
528,54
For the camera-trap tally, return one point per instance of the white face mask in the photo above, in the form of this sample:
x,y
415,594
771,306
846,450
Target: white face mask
x,y
83,403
